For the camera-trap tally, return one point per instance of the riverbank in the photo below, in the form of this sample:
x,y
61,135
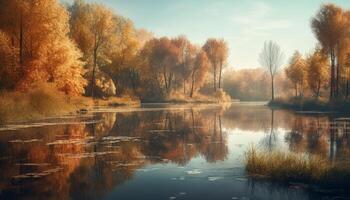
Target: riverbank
x,y
44,103
303,104
314,172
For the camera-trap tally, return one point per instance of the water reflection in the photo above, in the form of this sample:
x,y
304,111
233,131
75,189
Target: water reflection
x,y
85,161
92,160
327,136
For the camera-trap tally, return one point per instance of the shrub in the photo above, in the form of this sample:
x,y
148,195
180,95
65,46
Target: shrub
x,y
36,103
222,96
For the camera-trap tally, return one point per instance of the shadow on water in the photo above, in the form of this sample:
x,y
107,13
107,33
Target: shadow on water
x,y
193,152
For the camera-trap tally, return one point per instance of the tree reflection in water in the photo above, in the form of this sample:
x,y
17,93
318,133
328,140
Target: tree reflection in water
x,y
85,161
88,159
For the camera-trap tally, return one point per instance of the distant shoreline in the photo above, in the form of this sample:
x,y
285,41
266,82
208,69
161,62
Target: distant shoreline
x,y
341,106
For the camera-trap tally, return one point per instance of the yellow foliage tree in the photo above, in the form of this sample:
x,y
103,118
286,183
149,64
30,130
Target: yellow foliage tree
x,y
92,28
296,73
317,72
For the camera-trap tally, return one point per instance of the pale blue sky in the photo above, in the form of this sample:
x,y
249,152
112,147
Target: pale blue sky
x,y
245,25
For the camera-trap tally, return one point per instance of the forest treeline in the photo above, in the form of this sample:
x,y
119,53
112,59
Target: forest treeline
x,y
87,49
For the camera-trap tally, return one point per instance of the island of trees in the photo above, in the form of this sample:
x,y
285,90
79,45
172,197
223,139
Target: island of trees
x,y
320,79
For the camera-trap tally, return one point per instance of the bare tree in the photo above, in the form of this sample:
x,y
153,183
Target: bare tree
x,y
271,58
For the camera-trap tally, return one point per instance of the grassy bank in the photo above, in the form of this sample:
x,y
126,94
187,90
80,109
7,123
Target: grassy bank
x,y
305,104
290,167
47,102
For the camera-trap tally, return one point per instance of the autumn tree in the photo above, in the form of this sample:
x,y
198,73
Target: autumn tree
x,y
342,77
330,26
123,67
39,29
296,72
271,58
199,70
160,60
223,54
217,51
317,71
92,28
9,65
185,54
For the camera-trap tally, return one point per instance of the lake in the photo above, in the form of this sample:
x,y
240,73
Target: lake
x,y
162,151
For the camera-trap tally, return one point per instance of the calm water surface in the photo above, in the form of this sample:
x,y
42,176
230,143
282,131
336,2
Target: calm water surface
x,y
162,152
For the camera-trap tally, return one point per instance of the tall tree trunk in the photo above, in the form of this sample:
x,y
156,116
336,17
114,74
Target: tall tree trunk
x,y
220,72
21,40
337,79
215,124
165,79
272,88
192,85
169,82
318,88
184,84
215,77
93,73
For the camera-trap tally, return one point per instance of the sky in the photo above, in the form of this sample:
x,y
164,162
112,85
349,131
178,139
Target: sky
x,y
245,25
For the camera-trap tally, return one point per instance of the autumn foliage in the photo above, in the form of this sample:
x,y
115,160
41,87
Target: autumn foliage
x,y
70,46
37,47
324,72
44,42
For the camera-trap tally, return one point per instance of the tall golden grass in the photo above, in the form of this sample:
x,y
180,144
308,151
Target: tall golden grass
x,y
44,101
292,167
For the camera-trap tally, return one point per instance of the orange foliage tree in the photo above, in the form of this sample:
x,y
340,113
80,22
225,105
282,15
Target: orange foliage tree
x,y
330,26
199,71
217,52
38,30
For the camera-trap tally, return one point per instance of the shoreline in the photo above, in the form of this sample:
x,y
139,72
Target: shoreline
x,y
341,106
64,108
83,106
